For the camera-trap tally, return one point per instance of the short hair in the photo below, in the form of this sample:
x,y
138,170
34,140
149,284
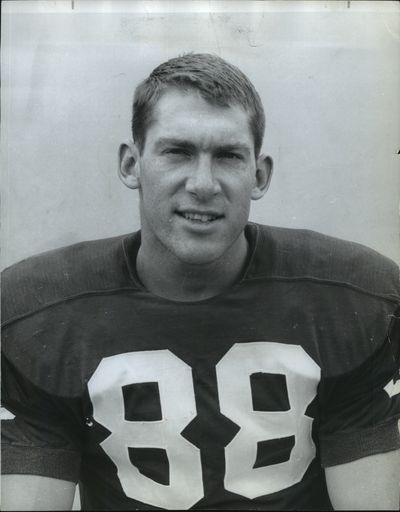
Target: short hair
x,y
217,81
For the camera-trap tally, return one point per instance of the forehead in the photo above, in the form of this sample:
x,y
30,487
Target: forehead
x,y
186,113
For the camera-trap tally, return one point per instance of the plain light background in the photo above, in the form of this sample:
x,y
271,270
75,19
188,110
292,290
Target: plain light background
x,y
328,74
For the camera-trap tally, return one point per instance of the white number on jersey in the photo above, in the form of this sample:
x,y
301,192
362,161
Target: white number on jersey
x,y
178,407
392,388
302,376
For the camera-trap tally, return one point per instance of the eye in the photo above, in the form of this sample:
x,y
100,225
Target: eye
x,y
176,151
229,155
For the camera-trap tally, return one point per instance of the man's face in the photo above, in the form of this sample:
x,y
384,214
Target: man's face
x,y
196,175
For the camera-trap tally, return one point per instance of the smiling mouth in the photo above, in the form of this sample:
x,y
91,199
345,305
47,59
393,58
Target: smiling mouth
x,y
201,218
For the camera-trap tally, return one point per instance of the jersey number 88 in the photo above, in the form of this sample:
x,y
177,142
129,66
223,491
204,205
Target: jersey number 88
x,y
174,378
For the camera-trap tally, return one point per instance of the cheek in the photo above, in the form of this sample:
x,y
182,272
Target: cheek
x,y
156,181
151,188
155,202
243,192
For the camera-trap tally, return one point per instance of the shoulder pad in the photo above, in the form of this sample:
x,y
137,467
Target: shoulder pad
x,y
61,274
304,254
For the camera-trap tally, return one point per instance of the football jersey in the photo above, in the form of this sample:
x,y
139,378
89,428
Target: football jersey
x,y
236,401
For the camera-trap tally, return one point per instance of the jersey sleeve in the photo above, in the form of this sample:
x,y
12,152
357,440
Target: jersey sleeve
x,y
38,437
360,409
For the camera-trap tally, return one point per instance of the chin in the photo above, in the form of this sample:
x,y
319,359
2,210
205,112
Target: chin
x,y
198,257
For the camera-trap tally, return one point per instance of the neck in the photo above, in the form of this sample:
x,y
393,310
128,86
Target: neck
x,y
168,277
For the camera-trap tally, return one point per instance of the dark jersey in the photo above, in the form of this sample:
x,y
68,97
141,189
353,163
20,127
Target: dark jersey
x,y
236,401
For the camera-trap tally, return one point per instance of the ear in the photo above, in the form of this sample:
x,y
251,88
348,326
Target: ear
x,y
129,166
263,176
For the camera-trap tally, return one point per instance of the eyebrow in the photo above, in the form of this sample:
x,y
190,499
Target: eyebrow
x,y
170,141
186,144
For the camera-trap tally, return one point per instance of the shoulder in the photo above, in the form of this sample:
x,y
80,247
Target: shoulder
x,y
64,273
305,254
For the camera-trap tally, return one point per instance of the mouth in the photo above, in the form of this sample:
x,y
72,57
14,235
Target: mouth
x,y
199,217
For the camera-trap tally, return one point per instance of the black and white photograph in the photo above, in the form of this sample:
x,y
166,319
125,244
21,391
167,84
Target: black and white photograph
x,y
200,255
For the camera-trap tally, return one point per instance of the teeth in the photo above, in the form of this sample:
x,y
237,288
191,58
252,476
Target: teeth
x,y
199,217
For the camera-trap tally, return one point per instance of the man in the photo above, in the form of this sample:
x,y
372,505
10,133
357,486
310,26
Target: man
x,y
206,361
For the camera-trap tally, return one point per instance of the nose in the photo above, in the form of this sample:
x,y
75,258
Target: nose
x,y
202,182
